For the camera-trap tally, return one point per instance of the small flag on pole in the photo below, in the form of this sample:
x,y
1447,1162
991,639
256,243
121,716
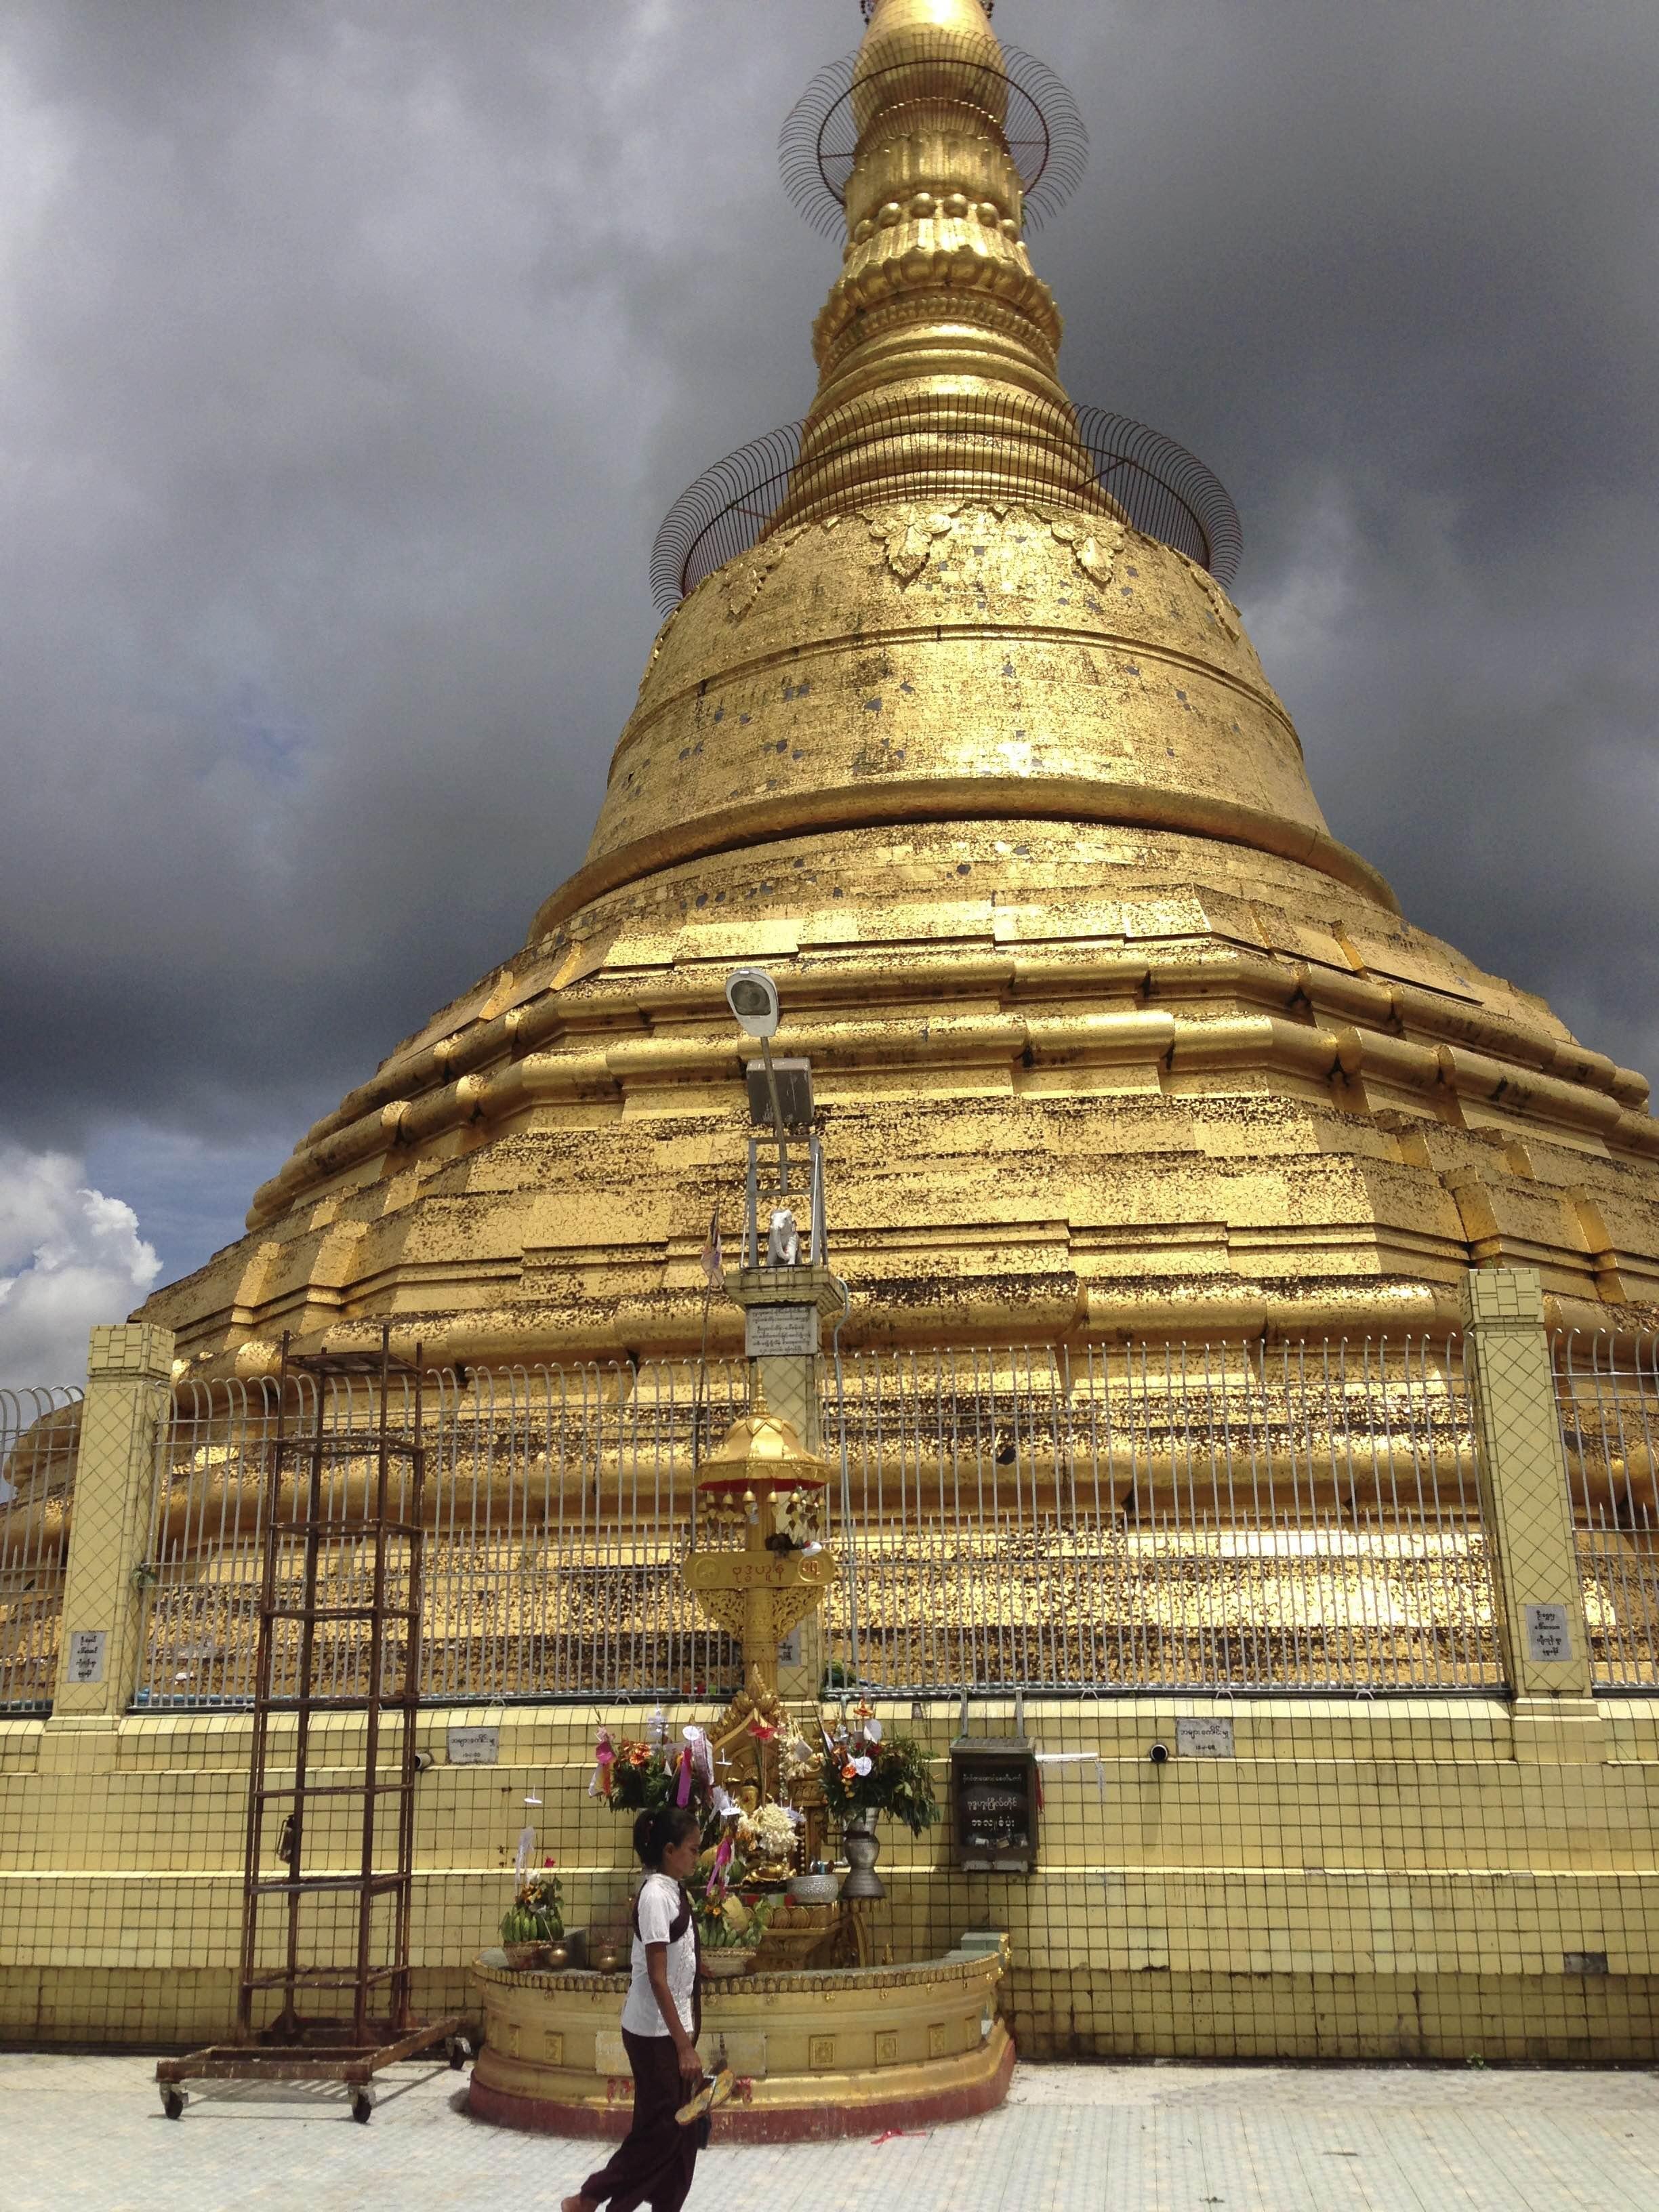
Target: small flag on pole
x,y
710,1254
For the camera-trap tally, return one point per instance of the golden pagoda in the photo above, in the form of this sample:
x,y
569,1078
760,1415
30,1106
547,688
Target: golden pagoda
x,y
1109,1034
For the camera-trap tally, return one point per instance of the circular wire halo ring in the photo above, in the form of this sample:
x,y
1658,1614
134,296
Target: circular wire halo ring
x,y
1166,492
1044,131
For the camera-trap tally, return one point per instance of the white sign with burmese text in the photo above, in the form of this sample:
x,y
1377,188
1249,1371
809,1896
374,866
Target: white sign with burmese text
x,y
1205,1737
781,1332
1548,1639
473,1746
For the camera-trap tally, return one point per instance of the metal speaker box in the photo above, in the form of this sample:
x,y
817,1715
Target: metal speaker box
x,y
795,1082
994,1794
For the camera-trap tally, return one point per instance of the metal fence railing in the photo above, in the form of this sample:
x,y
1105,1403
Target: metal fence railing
x,y
557,1512
39,1432
564,1515
201,1560
1607,1394
1204,1517
1200,1516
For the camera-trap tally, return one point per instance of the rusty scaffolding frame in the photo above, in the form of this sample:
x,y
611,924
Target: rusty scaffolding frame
x,y
361,1582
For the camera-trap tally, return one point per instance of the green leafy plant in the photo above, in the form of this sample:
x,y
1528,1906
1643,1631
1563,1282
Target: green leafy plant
x,y
897,1783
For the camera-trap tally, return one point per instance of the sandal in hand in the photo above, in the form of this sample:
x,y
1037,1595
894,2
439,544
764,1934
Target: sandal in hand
x,y
715,2092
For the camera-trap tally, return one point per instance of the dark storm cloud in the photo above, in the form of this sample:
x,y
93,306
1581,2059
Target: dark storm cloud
x,y
1392,271
351,352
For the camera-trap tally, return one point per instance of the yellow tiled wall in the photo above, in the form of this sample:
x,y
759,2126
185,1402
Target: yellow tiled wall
x,y
1363,1877
1434,1876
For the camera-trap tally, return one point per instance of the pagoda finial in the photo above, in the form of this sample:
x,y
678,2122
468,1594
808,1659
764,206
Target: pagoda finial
x,y
897,19
929,50
934,14
937,346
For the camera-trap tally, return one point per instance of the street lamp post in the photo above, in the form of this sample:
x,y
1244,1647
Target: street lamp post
x,y
753,997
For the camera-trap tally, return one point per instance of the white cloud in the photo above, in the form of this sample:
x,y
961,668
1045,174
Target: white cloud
x,y
69,1257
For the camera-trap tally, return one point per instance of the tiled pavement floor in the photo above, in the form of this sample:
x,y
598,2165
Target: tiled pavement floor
x,y
87,2134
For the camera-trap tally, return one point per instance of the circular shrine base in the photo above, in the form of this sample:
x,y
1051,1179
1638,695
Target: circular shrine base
x,y
820,2053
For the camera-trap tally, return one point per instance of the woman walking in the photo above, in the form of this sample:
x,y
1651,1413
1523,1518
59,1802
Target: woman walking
x,y
661,2021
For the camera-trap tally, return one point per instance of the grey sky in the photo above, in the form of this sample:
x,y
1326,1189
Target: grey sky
x,y
350,354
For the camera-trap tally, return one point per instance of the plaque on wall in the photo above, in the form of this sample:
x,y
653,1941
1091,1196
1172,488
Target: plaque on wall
x,y
1204,1736
1548,1640
781,1332
472,1746
993,1797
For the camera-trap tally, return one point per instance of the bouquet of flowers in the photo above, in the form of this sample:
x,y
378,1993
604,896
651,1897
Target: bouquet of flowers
x,y
797,1760
867,1773
635,1777
641,1779
767,1836
748,1847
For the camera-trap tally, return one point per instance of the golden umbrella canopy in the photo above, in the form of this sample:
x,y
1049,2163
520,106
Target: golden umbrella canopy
x,y
762,1448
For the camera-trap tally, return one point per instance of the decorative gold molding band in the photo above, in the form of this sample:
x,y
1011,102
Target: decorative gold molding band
x,y
1389,1009
880,801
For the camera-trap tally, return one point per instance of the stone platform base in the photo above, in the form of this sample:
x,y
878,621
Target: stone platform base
x,y
818,2054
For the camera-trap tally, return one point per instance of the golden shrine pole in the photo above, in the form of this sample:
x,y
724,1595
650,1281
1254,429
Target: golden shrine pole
x,y
761,1497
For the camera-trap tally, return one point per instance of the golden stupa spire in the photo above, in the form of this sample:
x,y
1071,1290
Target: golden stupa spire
x,y
937,346
1118,1039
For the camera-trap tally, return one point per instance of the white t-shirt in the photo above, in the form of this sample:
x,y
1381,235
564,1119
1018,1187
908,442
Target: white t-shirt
x,y
658,1907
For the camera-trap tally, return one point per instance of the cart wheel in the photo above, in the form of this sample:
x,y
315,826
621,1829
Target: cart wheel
x,y
173,2102
362,2104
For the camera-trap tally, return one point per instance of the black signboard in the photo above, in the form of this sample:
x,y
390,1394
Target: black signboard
x,y
994,1791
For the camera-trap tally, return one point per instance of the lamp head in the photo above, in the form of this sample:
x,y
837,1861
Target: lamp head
x,y
753,997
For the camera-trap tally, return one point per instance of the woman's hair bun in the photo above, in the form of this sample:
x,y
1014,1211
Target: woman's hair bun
x,y
653,1832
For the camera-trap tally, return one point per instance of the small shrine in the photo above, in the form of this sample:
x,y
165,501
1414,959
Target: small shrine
x,y
826,2032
